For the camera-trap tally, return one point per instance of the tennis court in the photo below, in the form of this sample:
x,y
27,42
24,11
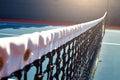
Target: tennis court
x,y
108,67
109,59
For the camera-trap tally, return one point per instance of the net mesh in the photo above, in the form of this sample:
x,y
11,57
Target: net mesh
x,y
71,61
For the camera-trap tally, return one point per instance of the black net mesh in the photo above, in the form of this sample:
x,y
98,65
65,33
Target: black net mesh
x,y
71,61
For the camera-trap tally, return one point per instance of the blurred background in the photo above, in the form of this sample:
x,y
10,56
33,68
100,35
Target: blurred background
x,y
69,11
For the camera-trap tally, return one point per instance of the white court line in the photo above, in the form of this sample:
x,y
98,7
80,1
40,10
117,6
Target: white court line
x,y
114,31
115,44
7,34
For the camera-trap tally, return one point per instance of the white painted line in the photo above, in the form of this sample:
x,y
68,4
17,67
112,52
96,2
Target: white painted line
x,y
115,44
7,34
113,31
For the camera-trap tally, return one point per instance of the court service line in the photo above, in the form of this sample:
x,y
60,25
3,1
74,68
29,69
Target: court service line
x,y
7,34
114,44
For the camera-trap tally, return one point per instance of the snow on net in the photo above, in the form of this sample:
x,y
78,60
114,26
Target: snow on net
x,y
16,52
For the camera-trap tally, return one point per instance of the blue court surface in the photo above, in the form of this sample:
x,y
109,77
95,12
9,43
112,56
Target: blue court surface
x,y
8,29
108,67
